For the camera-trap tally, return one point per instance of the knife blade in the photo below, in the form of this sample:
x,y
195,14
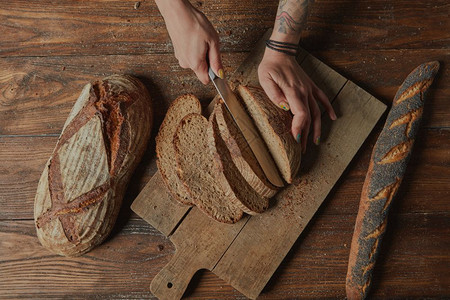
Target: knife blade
x,y
248,129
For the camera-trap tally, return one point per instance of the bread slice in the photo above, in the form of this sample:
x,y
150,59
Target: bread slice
x,y
196,170
274,125
230,178
241,154
165,151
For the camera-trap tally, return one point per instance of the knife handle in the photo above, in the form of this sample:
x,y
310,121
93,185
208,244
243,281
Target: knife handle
x,y
259,149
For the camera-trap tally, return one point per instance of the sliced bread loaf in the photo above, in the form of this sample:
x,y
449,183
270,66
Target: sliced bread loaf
x,y
230,178
196,170
165,151
274,125
241,154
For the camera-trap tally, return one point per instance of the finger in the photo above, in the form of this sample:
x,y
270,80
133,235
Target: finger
x,y
183,65
322,98
298,102
201,70
297,125
316,120
215,60
305,134
274,92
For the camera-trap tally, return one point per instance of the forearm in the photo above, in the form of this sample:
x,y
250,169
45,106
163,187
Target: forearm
x,y
195,41
171,7
290,20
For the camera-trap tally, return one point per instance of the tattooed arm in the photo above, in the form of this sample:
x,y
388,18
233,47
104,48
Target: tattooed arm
x,y
291,17
285,82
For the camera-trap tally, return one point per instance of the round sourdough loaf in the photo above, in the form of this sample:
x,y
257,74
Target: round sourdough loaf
x,y
81,189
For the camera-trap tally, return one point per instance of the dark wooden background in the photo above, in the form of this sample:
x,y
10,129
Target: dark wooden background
x,y
50,49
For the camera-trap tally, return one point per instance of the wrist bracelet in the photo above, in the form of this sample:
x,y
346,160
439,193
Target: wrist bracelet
x,y
283,47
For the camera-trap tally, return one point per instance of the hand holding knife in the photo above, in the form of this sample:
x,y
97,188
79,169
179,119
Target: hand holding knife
x,y
248,129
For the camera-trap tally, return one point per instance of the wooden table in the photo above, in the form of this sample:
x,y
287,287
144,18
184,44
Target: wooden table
x,y
50,49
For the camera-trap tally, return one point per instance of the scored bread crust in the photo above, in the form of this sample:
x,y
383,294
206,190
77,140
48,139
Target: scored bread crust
x,y
81,188
196,170
230,178
241,154
165,150
387,167
274,124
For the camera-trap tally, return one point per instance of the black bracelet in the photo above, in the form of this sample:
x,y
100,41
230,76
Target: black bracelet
x,y
286,48
283,44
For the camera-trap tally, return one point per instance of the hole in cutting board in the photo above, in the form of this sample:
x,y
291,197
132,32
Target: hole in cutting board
x,y
169,285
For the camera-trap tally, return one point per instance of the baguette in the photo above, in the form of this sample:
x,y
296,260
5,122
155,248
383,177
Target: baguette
x,y
81,189
386,169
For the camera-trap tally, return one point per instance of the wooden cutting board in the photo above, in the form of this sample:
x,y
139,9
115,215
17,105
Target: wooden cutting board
x,y
247,253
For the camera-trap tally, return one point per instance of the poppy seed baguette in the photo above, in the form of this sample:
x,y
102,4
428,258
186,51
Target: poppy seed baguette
x,y
386,170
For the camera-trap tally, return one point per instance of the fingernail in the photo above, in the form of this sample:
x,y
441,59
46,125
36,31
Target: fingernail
x,y
317,142
284,105
333,117
221,74
299,136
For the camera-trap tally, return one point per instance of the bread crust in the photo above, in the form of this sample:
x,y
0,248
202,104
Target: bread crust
x,y
284,149
81,188
386,170
241,154
217,205
173,184
230,178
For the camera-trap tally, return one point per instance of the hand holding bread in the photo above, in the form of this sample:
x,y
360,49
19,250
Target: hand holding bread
x,y
288,86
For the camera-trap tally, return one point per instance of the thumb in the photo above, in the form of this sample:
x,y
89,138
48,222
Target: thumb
x,y
215,61
274,93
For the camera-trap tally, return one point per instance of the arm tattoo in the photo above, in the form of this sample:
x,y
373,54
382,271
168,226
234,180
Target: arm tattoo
x,y
286,21
291,15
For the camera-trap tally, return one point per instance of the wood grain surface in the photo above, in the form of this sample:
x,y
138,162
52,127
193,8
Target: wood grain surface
x,y
50,49
269,236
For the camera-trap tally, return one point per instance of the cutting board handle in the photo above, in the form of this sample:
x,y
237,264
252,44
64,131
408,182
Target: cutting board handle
x,y
171,282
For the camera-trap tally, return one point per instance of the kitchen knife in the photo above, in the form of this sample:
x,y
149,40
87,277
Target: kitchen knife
x,y
248,129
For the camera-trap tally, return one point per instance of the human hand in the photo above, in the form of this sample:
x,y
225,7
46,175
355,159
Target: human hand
x,y
288,86
194,38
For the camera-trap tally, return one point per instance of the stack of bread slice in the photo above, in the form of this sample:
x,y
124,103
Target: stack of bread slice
x,y
208,163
